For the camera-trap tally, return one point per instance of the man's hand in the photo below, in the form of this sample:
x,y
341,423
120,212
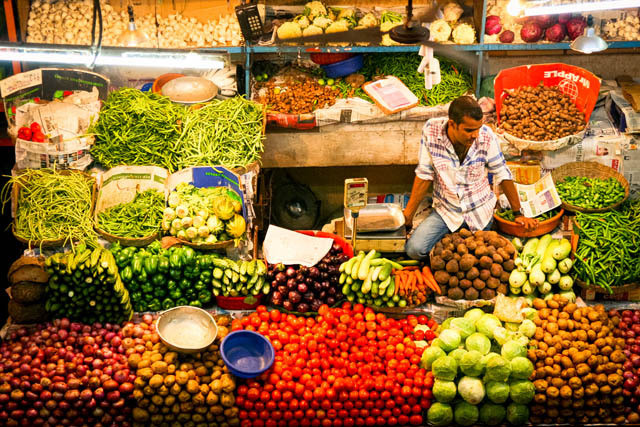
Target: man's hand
x,y
408,220
529,224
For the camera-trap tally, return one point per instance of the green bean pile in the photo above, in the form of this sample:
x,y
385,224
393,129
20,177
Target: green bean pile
x,y
608,251
137,128
141,217
53,206
455,81
225,133
509,215
590,193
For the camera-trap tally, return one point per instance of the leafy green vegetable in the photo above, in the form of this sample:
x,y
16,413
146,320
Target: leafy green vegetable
x,y
465,414
444,391
440,414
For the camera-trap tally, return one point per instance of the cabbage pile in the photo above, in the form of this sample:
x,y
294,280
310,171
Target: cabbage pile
x,y
204,215
481,371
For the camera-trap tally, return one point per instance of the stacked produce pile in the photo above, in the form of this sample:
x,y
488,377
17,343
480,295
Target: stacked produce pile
x,y
578,365
608,253
179,388
28,281
84,285
304,289
204,215
140,128
510,215
475,265
542,264
52,205
590,193
627,28
296,96
64,22
135,219
65,373
346,364
481,371
627,326
540,113
451,26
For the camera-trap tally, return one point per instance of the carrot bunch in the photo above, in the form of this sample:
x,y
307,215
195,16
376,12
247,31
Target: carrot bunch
x,y
415,284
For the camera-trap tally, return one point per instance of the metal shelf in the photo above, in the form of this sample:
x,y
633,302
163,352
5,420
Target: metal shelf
x,y
552,46
352,49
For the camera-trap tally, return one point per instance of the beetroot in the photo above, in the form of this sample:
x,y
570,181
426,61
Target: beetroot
x,y
545,21
507,36
575,27
555,33
492,25
564,18
531,32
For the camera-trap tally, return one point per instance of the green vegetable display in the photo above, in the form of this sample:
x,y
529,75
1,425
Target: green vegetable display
x,y
477,378
140,217
590,193
52,205
509,215
455,81
542,267
159,278
140,128
85,286
608,252
204,215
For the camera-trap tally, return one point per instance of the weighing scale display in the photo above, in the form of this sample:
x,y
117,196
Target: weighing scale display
x,y
355,193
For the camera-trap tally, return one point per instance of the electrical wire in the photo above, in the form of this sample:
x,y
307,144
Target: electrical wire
x,y
97,16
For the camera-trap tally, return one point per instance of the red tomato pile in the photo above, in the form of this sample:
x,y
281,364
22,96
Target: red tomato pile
x,y
346,367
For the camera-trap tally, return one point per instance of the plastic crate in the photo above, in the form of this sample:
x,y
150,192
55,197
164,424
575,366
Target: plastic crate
x,y
237,303
344,68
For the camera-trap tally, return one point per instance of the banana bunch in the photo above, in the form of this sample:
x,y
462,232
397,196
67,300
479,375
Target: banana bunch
x,y
239,278
225,80
367,279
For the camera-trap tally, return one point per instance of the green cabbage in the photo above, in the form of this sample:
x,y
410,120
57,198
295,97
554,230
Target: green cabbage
x,y
474,314
497,392
440,414
498,369
465,327
487,323
527,328
236,226
445,368
512,349
521,368
458,354
517,414
522,391
471,363
501,335
479,343
444,391
465,414
449,340
429,355
492,414
471,390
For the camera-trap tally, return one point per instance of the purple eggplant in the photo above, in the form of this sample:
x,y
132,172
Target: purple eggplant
x,y
303,307
294,297
303,288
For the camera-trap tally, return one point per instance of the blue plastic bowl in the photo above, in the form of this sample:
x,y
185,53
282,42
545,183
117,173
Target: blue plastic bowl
x,y
344,68
247,354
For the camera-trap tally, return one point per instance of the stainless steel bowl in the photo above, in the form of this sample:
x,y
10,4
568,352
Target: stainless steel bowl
x,y
195,327
190,90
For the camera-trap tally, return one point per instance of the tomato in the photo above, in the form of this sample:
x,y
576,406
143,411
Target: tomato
x,y
253,394
370,421
392,421
429,335
348,422
403,419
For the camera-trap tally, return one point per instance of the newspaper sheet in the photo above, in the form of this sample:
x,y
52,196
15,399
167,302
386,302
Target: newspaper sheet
x,y
538,198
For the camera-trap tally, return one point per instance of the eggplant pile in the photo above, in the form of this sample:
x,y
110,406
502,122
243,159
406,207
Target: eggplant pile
x,y
303,289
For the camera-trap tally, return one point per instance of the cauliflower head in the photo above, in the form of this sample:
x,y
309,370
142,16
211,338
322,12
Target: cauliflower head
x,y
322,22
368,21
313,9
440,30
452,11
302,21
346,13
464,34
338,26
289,30
312,30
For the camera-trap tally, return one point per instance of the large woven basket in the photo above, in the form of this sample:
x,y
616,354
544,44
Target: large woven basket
x,y
590,170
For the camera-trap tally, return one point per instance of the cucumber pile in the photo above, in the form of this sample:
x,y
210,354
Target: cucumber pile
x,y
239,278
85,286
367,279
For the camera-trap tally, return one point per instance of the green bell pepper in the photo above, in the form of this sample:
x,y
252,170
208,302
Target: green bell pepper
x,y
151,265
147,288
200,285
157,279
154,305
163,264
204,297
184,284
175,273
182,301
167,303
175,260
159,292
126,274
195,303
175,294
189,256
136,264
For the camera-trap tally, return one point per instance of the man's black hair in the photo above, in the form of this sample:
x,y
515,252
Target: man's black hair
x,y
464,106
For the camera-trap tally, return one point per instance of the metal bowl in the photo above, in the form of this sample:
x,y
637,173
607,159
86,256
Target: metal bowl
x,y
186,329
190,90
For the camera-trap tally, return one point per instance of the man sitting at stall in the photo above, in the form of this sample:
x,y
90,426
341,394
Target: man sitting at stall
x,y
455,155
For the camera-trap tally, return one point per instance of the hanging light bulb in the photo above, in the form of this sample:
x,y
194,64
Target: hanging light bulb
x,y
132,37
514,7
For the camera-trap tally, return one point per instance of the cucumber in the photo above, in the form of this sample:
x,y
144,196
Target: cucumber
x,y
363,270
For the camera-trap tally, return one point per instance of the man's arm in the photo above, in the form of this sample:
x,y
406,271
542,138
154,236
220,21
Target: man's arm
x,y
418,192
509,190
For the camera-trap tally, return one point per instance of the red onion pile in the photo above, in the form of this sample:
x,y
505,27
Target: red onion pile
x,y
65,373
629,329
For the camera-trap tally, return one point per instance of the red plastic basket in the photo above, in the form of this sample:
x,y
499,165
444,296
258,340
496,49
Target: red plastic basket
x,y
329,58
237,303
346,247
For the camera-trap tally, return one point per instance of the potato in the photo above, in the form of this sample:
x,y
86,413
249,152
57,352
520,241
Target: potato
x,y
465,283
502,289
479,284
504,277
497,258
503,253
467,262
442,277
465,233
460,275
457,257
496,242
462,249
493,283
481,251
471,294
487,293
485,274
452,266
453,281
455,293
485,262
473,273
437,263
509,265
496,270
447,255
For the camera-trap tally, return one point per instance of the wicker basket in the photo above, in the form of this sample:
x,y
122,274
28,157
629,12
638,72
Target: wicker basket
x,y
590,170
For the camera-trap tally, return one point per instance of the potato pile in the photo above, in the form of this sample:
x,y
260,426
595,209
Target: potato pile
x,y
180,389
578,376
475,265
540,114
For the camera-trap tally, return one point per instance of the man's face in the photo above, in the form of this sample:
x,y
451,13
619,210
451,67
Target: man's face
x,y
466,132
